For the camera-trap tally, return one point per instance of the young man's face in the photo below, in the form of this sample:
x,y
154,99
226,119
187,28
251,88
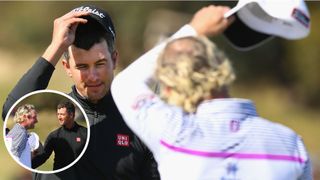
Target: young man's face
x,y
91,70
65,118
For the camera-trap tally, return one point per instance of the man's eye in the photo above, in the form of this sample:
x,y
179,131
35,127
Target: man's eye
x,y
81,67
101,64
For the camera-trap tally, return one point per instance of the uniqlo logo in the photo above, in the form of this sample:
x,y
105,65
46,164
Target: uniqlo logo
x,y
78,139
123,140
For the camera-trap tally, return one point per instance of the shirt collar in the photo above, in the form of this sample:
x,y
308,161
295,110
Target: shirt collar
x,y
228,105
74,127
21,127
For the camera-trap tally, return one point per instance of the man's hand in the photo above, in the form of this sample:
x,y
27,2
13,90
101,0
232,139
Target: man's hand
x,y
37,151
63,36
64,28
209,21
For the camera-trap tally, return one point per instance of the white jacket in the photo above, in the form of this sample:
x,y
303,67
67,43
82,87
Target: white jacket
x,y
224,140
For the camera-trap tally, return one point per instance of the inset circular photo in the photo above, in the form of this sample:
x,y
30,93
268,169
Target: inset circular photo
x,y
46,131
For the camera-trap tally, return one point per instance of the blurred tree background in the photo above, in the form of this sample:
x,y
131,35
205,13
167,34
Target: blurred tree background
x,y
281,76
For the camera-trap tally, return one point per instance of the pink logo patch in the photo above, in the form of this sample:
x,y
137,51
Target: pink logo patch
x,y
234,125
123,140
141,100
78,139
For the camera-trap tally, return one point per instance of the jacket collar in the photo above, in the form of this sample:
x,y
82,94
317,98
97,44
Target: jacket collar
x,y
106,101
74,127
228,105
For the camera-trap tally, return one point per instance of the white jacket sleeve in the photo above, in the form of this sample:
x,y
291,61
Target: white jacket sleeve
x,y
130,91
306,166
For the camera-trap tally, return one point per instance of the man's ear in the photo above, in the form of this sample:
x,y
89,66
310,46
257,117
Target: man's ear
x,y
115,57
66,66
72,115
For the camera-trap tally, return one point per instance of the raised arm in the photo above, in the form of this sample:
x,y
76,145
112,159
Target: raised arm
x,y
64,29
130,89
38,76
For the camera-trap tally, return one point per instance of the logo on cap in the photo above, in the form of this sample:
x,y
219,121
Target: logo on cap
x,y
100,16
301,17
92,11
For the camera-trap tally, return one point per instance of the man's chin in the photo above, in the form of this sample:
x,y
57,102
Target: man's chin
x,y
95,97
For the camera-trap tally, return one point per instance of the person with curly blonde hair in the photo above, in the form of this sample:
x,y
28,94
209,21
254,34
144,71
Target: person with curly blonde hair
x,y
193,127
25,118
190,70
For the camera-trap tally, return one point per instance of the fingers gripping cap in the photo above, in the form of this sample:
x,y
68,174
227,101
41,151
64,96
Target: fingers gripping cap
x,y
101,16
259,20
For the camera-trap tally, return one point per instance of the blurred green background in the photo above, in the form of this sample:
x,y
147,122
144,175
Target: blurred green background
x,y
281,76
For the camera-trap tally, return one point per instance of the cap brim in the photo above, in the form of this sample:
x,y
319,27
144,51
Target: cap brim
x,y
244,38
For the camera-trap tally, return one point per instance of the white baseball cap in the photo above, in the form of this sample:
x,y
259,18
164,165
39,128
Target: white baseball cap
x,y
33,141
259,20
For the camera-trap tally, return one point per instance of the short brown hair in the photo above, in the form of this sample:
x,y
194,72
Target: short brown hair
x,y
68,105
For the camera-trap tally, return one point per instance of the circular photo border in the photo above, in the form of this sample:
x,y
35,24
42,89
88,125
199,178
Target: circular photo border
x,y
55,92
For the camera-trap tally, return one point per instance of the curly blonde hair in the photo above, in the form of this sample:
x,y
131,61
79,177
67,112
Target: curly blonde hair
x,y
194,69
22,113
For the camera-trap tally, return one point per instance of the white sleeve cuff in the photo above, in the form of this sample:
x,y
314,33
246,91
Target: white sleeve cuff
x,y
186,30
